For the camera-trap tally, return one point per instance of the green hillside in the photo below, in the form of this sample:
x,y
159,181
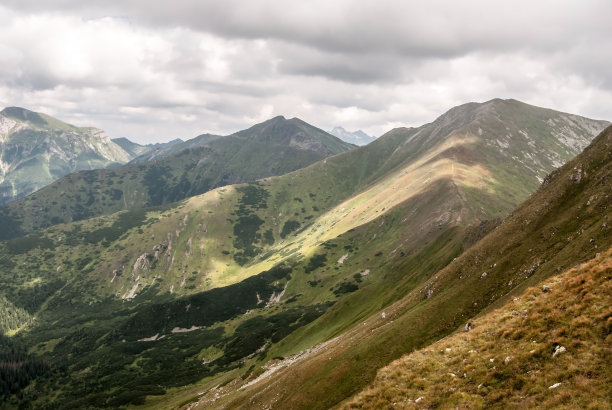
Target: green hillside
x,y
564,224
547,348
157,305
36,149
274,147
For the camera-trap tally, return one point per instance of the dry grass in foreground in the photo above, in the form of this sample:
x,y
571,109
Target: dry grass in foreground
x,y
508,359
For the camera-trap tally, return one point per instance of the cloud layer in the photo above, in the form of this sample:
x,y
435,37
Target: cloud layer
x,y
154,72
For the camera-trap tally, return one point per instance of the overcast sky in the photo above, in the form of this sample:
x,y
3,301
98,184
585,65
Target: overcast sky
x,y
157,70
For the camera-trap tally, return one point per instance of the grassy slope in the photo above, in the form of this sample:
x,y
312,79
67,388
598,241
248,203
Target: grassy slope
x,y
564,223
507,361
359,249
405,163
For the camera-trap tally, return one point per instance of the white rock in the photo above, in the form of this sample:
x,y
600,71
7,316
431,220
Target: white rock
x,y
559,350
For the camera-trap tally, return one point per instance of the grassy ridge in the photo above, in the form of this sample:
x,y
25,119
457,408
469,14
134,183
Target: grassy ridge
x,y
559,226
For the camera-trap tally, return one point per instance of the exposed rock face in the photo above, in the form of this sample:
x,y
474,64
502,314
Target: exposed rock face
x,y
142,263
36,149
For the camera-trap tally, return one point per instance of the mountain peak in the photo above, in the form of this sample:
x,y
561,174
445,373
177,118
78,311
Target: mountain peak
x,y
278,118
354,137
38,120
16,111
23,114
295,133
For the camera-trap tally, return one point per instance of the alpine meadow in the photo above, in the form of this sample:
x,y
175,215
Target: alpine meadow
x,y
250,286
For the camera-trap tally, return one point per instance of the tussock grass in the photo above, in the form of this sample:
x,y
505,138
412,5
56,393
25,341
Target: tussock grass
x,y
507,360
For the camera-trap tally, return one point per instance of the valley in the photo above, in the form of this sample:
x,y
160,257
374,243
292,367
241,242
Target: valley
x,y
316,270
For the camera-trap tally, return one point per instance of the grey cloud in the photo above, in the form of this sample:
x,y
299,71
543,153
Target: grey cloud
x,y
425,28
185,67
590,60
340,69
358,68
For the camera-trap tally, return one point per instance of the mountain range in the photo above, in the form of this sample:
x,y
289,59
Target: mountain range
x,y
356,137
175,172
173,147
135,150
291,291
